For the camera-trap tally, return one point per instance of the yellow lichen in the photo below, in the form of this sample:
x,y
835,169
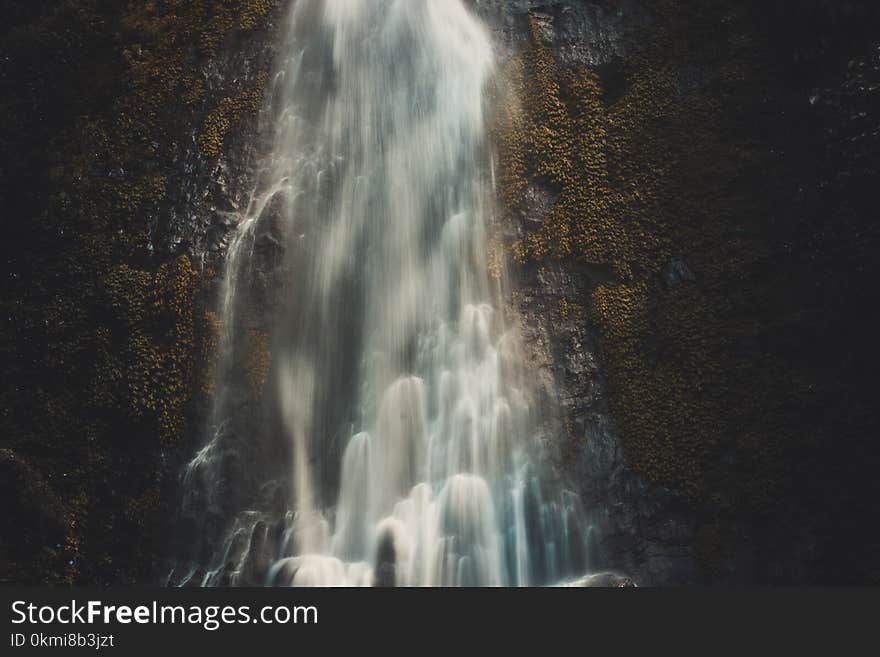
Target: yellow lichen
x,y
158,367
258,359
230,110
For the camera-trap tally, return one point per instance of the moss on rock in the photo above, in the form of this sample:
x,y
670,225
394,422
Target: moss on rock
x,y
668,169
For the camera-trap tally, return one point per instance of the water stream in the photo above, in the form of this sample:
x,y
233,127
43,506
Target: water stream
x,y
395,440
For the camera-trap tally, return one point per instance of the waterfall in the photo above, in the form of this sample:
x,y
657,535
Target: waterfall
x,y
395,438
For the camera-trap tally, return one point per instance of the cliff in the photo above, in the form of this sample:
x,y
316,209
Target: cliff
x,y
685,193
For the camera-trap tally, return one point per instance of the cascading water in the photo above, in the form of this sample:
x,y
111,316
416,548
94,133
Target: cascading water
x,y
395,440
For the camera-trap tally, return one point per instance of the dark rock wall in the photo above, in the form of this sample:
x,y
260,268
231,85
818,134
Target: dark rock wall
x,y
688,213
686,216
126,133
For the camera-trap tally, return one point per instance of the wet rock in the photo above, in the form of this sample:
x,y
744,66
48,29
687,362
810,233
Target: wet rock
x,y
213,193
386,558
33,522
675,272
258,559
283,572
605,580
195,580
537,204
636,528
228,576
580,33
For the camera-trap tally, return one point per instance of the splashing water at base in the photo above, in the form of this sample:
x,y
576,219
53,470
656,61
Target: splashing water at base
x,y
395,441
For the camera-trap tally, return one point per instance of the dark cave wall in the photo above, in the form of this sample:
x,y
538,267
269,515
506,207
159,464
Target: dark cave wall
x,y
687,215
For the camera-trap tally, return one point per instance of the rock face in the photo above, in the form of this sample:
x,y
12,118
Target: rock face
x,y
641,529
644,530
580,33
35,529
212,190
605,580
660,213
686,225
150,110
